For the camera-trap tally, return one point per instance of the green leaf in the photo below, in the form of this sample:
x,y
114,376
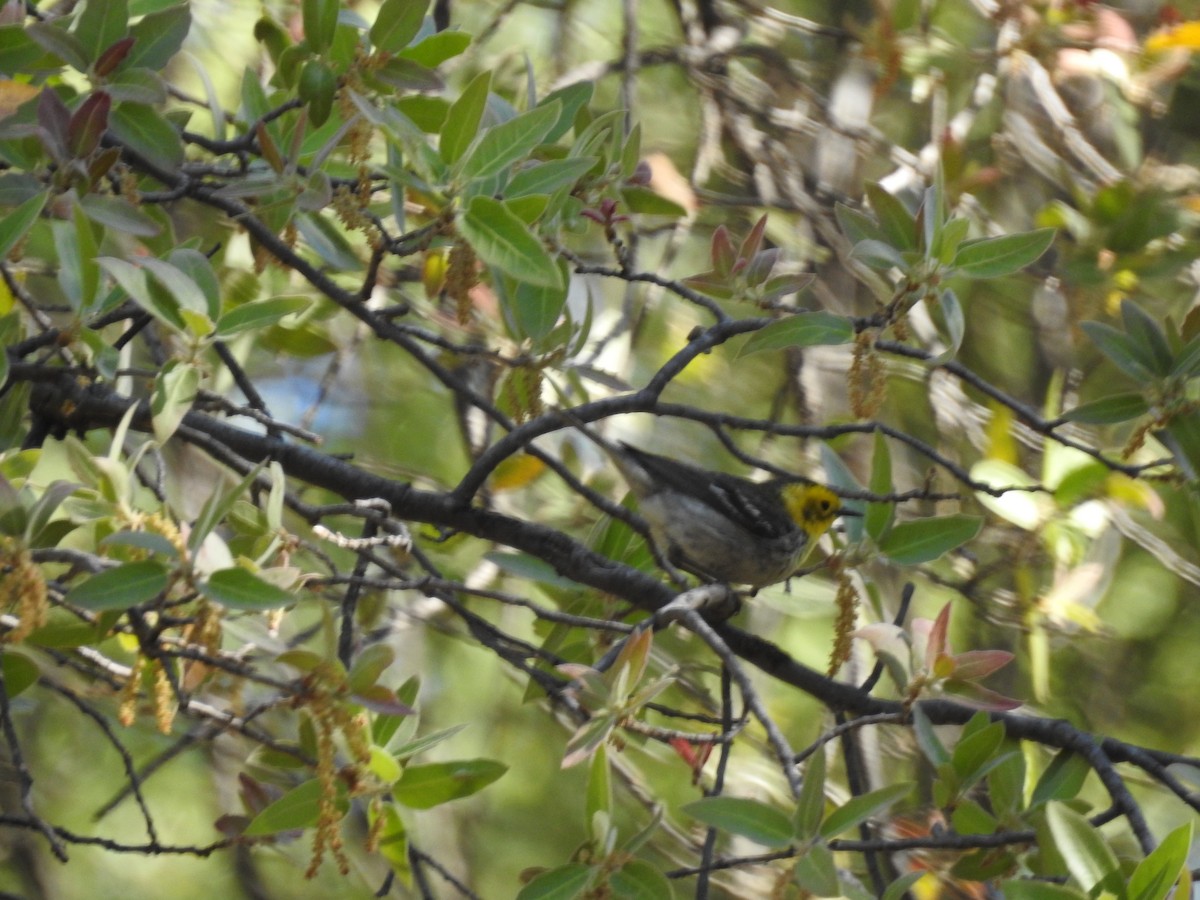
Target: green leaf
x,y
320,22
816,872
857,225
923,540
1006,781
369,665
564,883
261,314
119,214
424,787
133,281
218,505
437,48
121,587
639,880
857,810
60,43
1157,873
1038,890
878,517
462,120
1088,857
647,202
898,889
1144,332
547,177
1107,410
409,749
158,37
751,819
976,750
993,257
899,226
1121,350
536,308
297,809
316,88
405,75
501,239
175,389
953,233
237,588
504,144
1062,779
186,292
16,224
148,134
397,23
878,255
101,24
143,540
955,326
598,799
807,329
927,740
20,673
572,98
810,805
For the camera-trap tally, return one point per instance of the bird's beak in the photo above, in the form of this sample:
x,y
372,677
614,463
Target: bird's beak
x,y
843,511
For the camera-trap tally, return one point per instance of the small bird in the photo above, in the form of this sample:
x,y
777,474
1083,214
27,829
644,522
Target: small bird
x,y
728,528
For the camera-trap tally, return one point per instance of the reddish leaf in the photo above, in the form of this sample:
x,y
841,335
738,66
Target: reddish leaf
x,y
937,638
53,120
975,664
113,56
88,124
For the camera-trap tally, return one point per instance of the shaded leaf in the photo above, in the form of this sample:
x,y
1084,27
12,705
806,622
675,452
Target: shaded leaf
x,y
751,819
1108,410
807,329
297,809
121,587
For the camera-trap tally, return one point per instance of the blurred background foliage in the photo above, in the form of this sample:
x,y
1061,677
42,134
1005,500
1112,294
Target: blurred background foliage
x,y
1070,115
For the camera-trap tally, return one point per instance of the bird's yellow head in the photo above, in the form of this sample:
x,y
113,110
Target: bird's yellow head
x,y
812,506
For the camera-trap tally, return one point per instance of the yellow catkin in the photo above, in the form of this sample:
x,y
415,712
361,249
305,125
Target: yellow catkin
x,y
847,607
378,820
164,698
129,693
23,588
866,378
461,276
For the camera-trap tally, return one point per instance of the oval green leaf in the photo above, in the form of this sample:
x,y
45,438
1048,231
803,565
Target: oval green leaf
x,y
748,818
237,588
993,257
807,329
121,587
1108,410
922,540
501,239
424,787
298,808
563,883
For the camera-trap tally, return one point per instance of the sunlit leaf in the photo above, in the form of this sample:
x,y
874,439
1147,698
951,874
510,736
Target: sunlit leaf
x,y
923,540
1004,255
424,787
